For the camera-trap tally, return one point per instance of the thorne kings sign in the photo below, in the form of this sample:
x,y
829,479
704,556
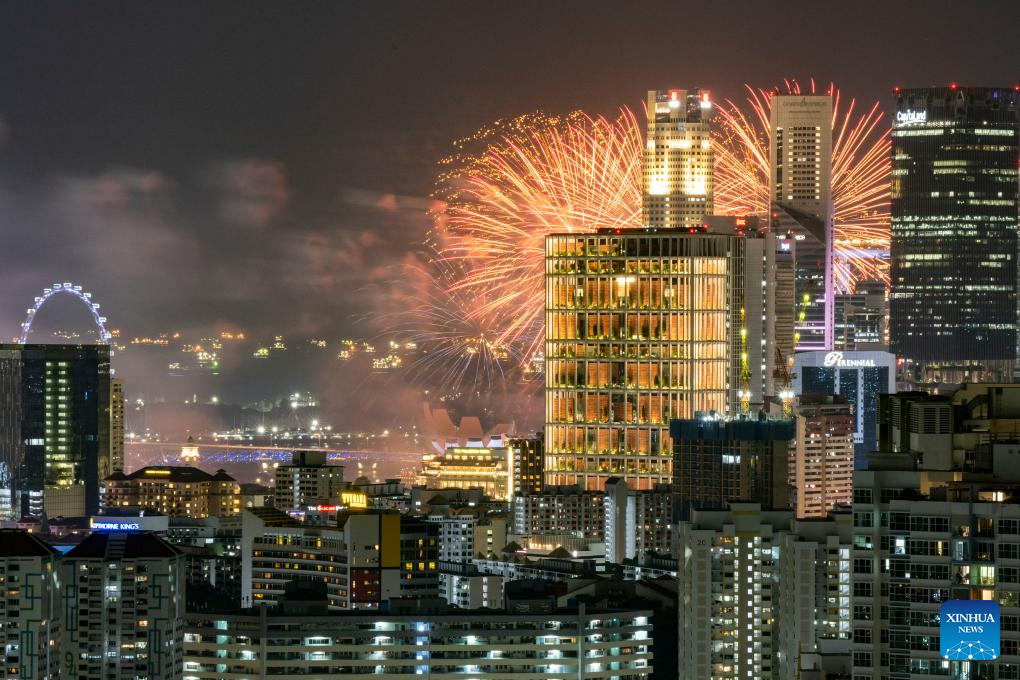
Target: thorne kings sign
x,y
836,360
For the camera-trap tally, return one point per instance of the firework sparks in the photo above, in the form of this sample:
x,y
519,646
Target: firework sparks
x,y
860,175
536,175
459,348
515,182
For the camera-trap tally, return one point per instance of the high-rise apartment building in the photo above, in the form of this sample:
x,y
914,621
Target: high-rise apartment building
x,y
762,595
642,327
422,640
725,587
914,549
813,599
117,423
800,158
953,302
678,163
560,509
638,524
717,461
30,611
822,463
60,449
123,600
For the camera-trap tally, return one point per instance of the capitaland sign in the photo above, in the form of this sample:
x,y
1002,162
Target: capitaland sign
x,y
910,116
838,360
969,630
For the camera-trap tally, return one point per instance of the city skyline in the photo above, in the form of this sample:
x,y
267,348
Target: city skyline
x,y
618,341
143,160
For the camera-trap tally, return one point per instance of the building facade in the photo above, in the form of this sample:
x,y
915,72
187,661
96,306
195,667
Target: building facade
x,y
117,425
488,645
123,608
953,268
61,448
859,377
912,552
560,509
174,491
638,524
469,467
641,327
678,167
800,158
763,595
822,464
30,610
308,480
527,464
717,461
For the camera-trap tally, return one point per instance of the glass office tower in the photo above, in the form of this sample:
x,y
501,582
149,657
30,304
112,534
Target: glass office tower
x,y
953,302
59,447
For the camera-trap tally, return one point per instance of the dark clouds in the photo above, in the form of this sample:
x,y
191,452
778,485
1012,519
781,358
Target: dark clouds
x,y
215,248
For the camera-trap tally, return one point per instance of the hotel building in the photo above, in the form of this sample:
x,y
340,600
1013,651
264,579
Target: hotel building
x,y
173,491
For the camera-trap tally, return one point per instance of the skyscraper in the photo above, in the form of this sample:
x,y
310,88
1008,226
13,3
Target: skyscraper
x,y
116,426
800,157
766,308
60,448
678,163
642,327
953,306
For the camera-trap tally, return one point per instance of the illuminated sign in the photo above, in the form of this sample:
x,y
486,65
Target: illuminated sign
x,y
354,499
101,525
835,359
910,116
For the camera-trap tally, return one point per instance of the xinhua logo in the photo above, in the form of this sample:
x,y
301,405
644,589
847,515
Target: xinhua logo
x,y
969,629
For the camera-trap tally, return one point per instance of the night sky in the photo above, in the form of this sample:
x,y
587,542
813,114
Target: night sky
x,y
257,164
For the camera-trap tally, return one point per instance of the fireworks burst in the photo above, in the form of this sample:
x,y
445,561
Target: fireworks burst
x,y
534,176
860,175
515,182
459,348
